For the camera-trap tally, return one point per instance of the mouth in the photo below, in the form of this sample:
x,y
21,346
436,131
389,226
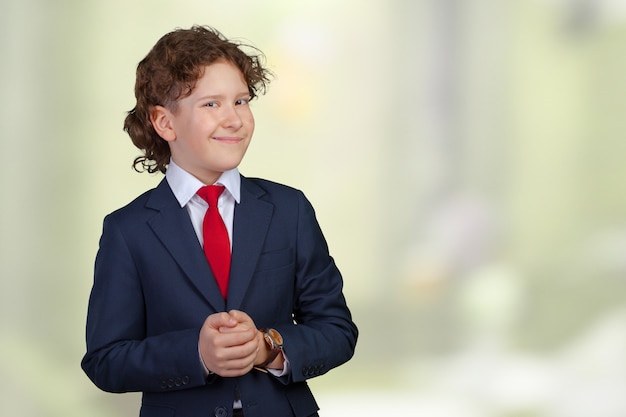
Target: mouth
x,y
227,139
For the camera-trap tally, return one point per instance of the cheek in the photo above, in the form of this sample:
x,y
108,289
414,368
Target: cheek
x,y
248,119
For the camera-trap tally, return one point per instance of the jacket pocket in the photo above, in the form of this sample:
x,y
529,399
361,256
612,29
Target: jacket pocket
x,y
275,260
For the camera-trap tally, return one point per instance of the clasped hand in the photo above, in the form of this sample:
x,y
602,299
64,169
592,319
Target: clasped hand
x,y
230,344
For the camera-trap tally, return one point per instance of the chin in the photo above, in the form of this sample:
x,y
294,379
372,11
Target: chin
x,y
228,167
232,163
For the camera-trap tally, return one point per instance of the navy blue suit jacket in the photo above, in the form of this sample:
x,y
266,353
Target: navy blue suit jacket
x,y
153,289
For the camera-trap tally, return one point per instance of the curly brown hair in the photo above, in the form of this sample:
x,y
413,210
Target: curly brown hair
x,y
170,71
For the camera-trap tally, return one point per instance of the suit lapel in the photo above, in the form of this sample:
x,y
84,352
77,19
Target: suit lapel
x,y
251,223
173,227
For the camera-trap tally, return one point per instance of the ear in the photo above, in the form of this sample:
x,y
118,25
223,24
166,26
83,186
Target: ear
x,y
161,119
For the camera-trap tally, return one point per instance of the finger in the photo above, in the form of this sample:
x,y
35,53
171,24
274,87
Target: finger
x,y
241,317
240,327
218,320
239,357
233,337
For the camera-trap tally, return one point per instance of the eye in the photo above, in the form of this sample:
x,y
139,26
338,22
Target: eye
x,y
211,104
242,101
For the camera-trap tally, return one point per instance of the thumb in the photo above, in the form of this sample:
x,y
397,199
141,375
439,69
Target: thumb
x,y
242,318
218,320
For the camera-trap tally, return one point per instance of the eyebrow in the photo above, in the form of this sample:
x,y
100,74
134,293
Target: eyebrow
x,y
222,96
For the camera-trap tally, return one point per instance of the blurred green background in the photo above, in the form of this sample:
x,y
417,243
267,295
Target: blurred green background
x,y
466,159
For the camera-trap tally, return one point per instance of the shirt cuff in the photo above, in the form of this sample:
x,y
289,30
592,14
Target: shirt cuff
x,y
285,370
204,368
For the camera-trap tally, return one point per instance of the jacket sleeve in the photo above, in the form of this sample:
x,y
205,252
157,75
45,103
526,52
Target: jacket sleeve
x,y
323,335
120,356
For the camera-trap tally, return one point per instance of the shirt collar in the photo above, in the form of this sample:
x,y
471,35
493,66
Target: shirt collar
x,y
184,185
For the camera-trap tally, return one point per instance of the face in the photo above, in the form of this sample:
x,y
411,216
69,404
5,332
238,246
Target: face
x,y
210,130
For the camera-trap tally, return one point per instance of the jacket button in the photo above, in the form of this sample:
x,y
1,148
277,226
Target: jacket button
x,y
221,412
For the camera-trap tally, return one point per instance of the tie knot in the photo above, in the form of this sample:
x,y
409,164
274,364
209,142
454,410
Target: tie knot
x,y
210,194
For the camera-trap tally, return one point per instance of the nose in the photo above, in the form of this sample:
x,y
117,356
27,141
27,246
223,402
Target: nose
x,y
231,118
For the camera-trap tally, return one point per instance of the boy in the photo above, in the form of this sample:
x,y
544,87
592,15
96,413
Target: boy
x,y
211,307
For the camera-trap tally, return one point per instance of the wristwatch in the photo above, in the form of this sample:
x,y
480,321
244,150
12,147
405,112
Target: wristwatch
x,y
274,341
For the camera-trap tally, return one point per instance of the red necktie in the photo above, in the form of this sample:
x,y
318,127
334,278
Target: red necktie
x,y
216,243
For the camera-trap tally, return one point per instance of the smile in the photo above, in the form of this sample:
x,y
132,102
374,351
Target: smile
x,y
227,139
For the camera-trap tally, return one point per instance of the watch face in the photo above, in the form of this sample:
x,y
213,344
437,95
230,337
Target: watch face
x,y
275,336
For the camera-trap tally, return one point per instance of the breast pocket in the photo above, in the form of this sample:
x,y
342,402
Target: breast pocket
x,y
275,260
275,273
